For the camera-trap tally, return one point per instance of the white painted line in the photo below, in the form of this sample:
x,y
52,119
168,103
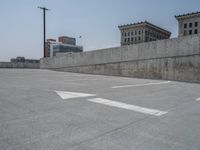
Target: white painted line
x,y
79,80
198,99
69,95
128,106
137,85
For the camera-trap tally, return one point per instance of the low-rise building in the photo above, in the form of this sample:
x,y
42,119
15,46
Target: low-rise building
x,y
65,44
64,48
142,32
23,60
188,24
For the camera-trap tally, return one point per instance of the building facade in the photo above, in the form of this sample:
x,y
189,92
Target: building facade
x,y
188,24
142,32
64,48
65,44
67,40
47,46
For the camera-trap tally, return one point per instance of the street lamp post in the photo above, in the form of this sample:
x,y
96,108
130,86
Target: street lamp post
x,y
44,23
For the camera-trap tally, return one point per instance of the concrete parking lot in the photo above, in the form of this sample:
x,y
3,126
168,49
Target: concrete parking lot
x,y
49,110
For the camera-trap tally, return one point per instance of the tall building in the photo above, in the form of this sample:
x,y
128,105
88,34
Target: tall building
x,y
65,44
47,46
188,24
142,32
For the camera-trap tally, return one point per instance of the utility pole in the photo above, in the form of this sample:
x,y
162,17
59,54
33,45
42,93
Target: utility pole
x,y
44,23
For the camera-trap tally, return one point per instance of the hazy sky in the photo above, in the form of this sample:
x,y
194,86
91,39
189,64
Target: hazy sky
x,y
21,26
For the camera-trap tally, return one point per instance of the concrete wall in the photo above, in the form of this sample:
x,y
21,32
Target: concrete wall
x,y
173,59
19,65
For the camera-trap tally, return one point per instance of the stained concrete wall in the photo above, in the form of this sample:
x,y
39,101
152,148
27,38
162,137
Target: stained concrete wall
x,y
174,59
19,65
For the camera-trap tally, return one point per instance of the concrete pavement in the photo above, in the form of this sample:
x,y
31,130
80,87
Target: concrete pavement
x,y
113,116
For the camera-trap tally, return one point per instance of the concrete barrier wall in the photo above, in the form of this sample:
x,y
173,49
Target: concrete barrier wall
x,y
19,65
174,59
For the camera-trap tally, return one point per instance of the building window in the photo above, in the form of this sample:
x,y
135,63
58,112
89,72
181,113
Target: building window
x,y
138,38
132,33
190,25
190,32
135,32
185,25
125,40
196,24
195,31
128,33
135,39
125,34
139,32
132,39
128,39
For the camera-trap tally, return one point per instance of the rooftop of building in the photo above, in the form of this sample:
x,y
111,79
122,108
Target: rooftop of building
x,y
66,37
143,23
187,15
65,44
54,40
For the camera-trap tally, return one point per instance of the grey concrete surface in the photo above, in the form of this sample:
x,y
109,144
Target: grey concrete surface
x,y
186,68
173,59
34,117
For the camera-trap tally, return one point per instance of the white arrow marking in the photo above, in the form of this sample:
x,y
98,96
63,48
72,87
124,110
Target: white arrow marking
x,y
69,95
137,85
198,99
128,106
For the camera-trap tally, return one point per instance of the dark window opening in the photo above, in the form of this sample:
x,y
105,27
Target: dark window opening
x,y
132,39
131,33
190,32
190,25
196,24
195,31
185,25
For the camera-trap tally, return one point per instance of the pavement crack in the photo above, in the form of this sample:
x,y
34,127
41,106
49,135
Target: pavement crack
x,y
117,129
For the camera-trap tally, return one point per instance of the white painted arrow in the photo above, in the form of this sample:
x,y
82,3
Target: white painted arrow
x,y
198,99
69,95
143,110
